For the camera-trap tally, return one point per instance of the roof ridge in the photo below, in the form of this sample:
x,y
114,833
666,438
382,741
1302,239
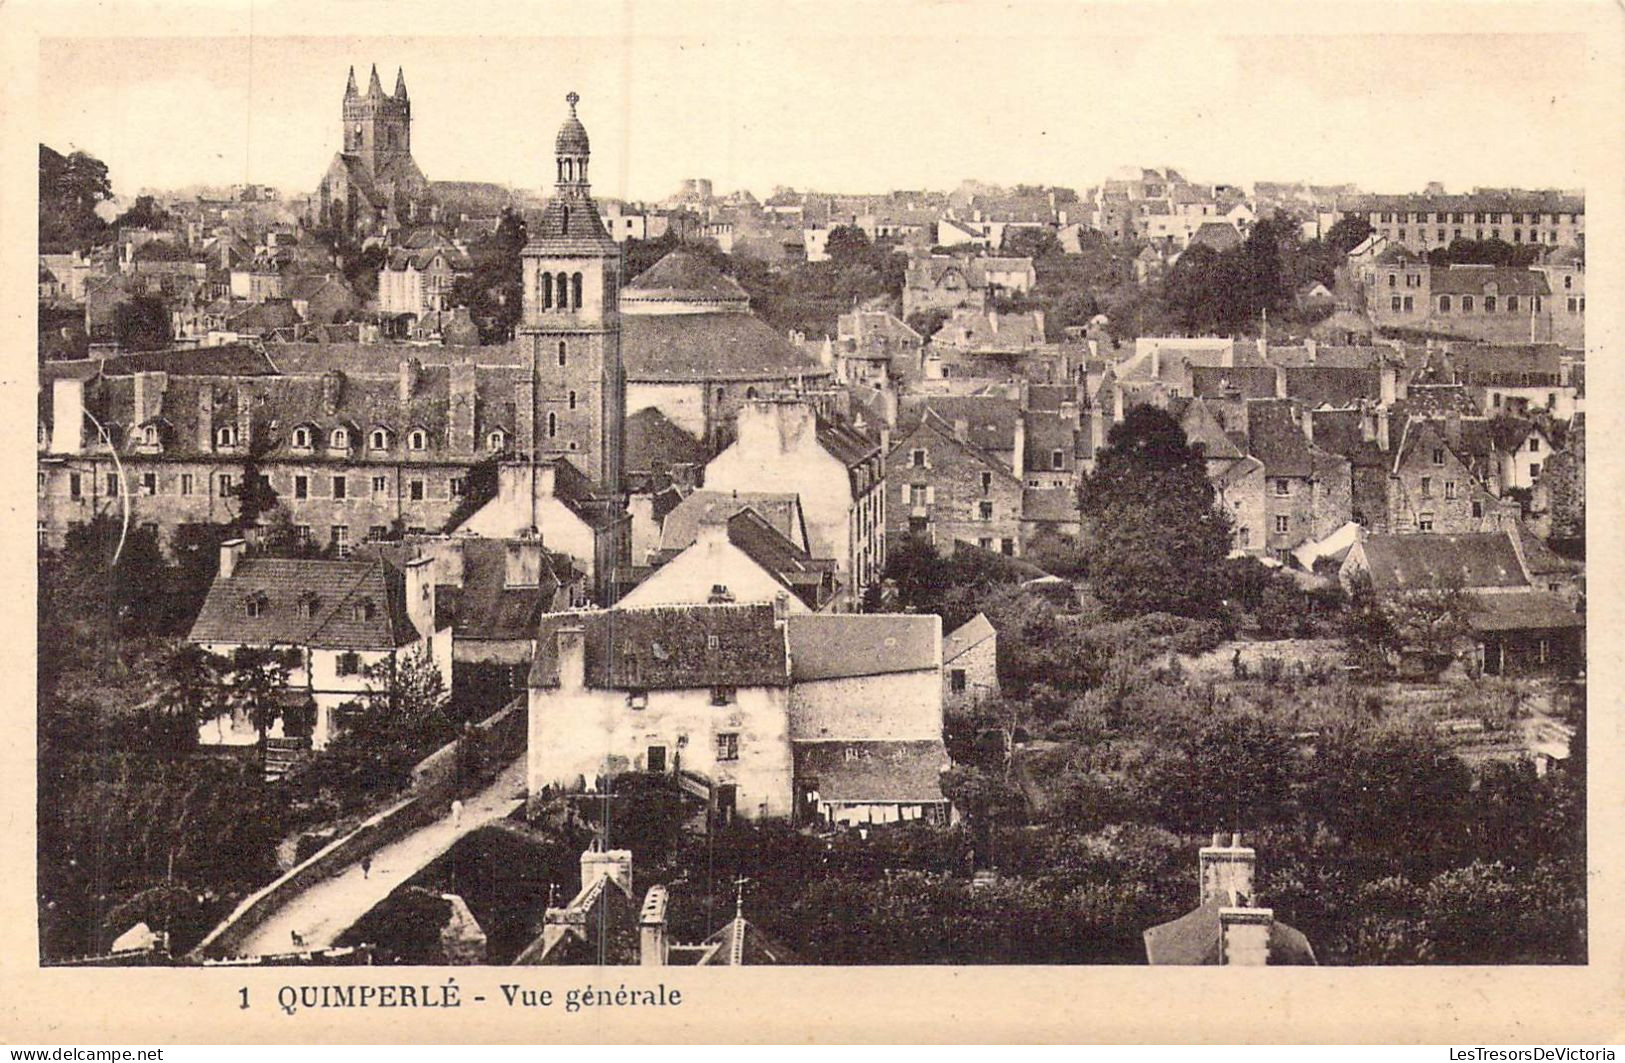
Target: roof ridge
x,y
376,562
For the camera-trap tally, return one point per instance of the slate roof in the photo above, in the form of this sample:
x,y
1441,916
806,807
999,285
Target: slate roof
x,y
990,420
1202,427
1410,562
764,544
570,225
654,444
1193,940
846,645
1051,397
232,359
1253,382
1044,433
1275,439
781,510
684,276
1531,611
1319,385
1472,280
1341,432
741,943
681,348
484,607
1538,558
967,636
339,618
873,772
668,647
1221,236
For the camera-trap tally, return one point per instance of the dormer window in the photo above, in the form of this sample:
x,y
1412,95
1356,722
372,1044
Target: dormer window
x,y
255,606
340,439
379,439
364,610
225,436
308,604
149,435
496,442
417,439
301,437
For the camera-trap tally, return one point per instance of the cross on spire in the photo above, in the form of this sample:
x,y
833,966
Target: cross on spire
x,y
572,99
739,897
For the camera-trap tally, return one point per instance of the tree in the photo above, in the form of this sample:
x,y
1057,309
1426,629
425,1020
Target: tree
x,y
494,291
257,680
142,323
70,188
1029,241
189,690
847,245
145,214
1157,543
1347,233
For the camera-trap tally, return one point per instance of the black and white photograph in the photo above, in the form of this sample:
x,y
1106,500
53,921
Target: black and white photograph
x,y
860,496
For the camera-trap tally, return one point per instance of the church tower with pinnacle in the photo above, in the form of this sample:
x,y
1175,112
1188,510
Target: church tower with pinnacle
x,y
570,329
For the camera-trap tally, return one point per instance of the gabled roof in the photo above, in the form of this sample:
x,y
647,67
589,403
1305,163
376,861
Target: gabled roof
x,y
654,443
1194,938
741,943
1219,235
1250,381
1275,438
668,648
229,359
1473,280
570,225
781,510
1534,611
848,645
677,348
990,420
792,566
1399,563
338,594
685,276
1318,385
967,636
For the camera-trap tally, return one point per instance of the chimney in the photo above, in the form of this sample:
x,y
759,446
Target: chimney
x,y
1244,936
463,390
1309,349
245,418
1382,428
613,864
149,395
572,658
419,575
232,552
1388,378
1452,429
1280,382
410,371
332,391
1226,872
1156,362
961,429
524,410
67,416
653,944
524,563
1018,447
1306,419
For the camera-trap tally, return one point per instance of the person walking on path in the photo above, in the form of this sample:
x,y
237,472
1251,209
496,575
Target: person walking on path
x,y
366,866
456,813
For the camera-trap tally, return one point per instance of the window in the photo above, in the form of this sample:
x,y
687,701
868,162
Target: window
x,y
572,400
303,533
379,440
547,291
562,357
495,442
301,437
301,487
1512,303
917,495
1534,444
1282,524
341,487
225,436
1409,305
1393,280
1283,487
1427,487
1466,302
380,485
457,486
985,543
1056,458
41,482
254,606
956,680
727,746
1478,510
1007,547
1573,304
149,483
339,439
1438,455
186,483
149,435
552,425
339,538
1534,470
348,664
723,695
377,532
1394,303
225,485
417,440
75,490
416,489
987,482
1424,523
1568,280
1489,304
1450,490
308,604
984,510
575,291
1444,304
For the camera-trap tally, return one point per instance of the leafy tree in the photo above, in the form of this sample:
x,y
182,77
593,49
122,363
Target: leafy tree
x,y
1347,233
494,292
190,690
927,322
70,188
1034,243
847,245
145,214
142,323
1157,543
256,682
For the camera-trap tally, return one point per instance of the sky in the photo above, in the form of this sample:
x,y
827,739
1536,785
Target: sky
x,y
864,101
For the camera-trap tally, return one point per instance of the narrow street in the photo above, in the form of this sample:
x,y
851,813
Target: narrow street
x,y
323,912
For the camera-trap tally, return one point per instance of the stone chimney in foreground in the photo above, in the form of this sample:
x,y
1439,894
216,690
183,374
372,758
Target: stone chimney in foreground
x,y
572,659
1244,936
232,552
654,944
1226,872
613,864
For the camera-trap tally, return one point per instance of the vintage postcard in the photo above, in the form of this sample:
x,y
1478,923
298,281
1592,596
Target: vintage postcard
x,y
978,513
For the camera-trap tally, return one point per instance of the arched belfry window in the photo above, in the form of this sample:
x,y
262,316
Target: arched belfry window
x,y
575,283
569,175
563,284
552,425
547,291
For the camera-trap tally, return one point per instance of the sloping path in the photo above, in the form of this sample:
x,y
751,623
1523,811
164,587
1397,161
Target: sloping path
x,y
330,907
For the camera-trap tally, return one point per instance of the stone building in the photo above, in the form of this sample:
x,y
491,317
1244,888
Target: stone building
x,y
373,183
1308,491
970,664
1421,222
944,488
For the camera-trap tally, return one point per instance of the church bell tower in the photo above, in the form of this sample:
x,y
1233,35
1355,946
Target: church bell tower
x,y
570,328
